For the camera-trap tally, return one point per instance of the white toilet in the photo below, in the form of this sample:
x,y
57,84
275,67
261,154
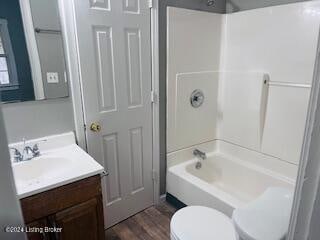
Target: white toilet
x,y
196,222
266,218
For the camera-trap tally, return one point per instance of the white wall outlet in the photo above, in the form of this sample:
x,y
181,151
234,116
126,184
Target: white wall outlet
x,y
52,77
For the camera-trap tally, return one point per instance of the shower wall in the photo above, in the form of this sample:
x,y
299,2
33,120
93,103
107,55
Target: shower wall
x,y
218,7
241,5
193,56
281,43
258,68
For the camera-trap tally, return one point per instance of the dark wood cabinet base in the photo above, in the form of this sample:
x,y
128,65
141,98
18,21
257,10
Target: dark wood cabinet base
x,y
70,212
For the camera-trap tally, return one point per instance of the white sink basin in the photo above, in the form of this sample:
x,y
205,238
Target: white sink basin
x,y
55,167
39,168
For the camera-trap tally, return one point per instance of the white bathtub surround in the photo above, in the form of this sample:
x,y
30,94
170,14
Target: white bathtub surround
x,y
285,122
261,63
186,154
199,121
61,162
193,54
262,160
280,41
243,106
242,50
234,151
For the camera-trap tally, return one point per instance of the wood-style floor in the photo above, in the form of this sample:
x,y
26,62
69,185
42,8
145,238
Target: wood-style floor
x,y
150,224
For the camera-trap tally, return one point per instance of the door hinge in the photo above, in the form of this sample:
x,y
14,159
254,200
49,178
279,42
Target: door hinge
x,y
154,97
85,127
154,175
150,3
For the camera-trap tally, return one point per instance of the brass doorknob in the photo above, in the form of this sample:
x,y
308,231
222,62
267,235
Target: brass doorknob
x,y
95,127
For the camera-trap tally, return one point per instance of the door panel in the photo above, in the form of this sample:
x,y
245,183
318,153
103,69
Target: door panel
x,y
115,65
131,6
110,147
103,4
104,61
80,221
133,68
136,159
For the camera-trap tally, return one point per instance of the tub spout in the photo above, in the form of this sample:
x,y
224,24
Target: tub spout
x,y
199,154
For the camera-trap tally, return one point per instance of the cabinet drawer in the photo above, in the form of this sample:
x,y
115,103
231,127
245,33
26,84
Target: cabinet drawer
x,y
55,200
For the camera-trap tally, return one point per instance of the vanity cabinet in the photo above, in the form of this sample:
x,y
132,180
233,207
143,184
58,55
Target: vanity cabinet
x,y
74,211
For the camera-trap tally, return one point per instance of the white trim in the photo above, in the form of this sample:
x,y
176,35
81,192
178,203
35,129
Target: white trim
x,y
155,106
150,3
68,25
295,230
32,48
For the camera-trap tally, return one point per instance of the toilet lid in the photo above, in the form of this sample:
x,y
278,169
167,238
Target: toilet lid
x,y
267,217
197,222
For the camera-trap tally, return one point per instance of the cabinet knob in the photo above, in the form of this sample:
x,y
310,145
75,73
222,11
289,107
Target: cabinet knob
x,y
95,127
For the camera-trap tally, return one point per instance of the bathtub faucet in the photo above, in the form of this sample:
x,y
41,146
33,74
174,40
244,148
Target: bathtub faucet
x,y
199,154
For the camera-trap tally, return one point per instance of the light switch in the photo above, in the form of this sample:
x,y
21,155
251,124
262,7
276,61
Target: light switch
x,y
52,77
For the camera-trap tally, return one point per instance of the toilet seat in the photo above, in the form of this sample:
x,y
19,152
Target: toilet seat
x,y
267,217
197,222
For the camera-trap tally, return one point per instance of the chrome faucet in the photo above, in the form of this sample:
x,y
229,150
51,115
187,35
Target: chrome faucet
x,y
199,154
17,156
30,153
27,153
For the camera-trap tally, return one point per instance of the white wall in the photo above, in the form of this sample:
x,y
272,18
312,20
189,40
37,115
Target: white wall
x,y
193,54
36,119
277,44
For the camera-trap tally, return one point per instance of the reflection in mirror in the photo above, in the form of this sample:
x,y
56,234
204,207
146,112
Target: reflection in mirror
x,y
32,59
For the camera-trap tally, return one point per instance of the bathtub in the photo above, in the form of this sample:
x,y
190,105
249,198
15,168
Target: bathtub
x,y
225,181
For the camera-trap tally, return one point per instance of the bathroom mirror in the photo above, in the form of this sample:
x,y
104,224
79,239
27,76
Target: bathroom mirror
x,y
32,58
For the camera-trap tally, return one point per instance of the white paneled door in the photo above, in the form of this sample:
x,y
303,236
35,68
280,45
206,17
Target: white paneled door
x,y
114,47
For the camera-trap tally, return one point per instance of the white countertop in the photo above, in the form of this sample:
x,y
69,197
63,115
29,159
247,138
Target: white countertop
x,y
55,167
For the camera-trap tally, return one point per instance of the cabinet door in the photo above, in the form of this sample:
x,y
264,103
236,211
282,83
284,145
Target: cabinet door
x,y
83,221
40,224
